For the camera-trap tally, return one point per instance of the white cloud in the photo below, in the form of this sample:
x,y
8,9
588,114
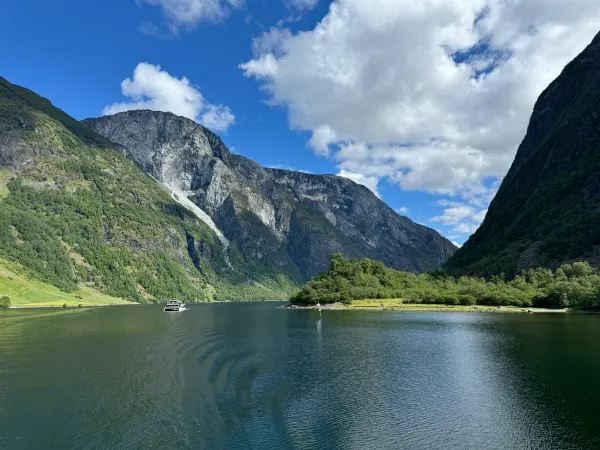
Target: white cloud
x,y
433,95
367,181
302,5
438,167
287,167
216,117
402,210
462,218
321,138
270,42
155,89
188,13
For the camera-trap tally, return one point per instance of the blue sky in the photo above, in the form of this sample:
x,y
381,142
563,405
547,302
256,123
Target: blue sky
x,y
373,92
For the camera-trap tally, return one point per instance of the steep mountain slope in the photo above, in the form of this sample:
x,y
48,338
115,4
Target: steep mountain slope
x,y
547,210
275,220
74,212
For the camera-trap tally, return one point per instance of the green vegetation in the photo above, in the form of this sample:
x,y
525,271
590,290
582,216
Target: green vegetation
x,y
5,175
79,215
23,291
4,302
113,228
574,285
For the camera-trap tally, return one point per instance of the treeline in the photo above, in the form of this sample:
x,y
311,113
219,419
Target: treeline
x,y
575,285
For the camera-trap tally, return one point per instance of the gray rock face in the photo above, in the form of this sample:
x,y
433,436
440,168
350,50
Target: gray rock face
x,y
276,220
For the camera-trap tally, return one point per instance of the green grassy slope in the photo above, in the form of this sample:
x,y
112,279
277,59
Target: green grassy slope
x,y
25,291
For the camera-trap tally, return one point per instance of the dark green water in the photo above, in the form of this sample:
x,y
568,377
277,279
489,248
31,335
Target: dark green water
x,y
252,375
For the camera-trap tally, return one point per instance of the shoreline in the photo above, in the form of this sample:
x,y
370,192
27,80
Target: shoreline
x,y
34,306
104,305
356,305
370,305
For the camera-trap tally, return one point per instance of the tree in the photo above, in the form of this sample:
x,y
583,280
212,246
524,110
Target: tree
x,y
5,302
575,285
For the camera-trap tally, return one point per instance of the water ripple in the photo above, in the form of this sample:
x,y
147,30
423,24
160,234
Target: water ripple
x,y
253,376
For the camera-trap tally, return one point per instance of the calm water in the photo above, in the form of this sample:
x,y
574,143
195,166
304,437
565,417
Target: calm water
x,y
254,376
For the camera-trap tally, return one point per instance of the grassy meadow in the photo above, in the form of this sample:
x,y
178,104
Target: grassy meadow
x,y
26,292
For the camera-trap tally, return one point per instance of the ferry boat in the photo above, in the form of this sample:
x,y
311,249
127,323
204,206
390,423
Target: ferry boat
x,y
174,306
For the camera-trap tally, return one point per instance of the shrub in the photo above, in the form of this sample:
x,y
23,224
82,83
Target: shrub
x,y
571,285
5,302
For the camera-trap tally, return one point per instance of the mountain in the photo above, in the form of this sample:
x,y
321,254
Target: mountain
x,y
78,215
547,210
278,220
155,207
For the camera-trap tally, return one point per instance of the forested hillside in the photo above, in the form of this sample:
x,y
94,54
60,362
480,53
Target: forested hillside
x,y
547,210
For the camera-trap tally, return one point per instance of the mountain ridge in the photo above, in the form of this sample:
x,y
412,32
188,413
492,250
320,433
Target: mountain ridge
x,y
77,213
546,211
301,219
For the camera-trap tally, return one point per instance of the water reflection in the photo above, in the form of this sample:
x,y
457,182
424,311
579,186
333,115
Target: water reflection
x,y
252,375
320,329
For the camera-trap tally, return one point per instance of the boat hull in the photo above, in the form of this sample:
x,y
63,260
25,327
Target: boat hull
x,y
174,308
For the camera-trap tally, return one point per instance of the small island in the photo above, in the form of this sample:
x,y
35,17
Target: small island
x,y
364,284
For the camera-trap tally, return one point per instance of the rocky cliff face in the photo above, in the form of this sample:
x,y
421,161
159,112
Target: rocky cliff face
x,y
278,221
74,212
547,210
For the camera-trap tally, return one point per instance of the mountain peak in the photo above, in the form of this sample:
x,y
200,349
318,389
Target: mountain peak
x,y
150,137
282,218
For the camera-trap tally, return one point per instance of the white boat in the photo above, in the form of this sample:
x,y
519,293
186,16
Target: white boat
x,y
174,306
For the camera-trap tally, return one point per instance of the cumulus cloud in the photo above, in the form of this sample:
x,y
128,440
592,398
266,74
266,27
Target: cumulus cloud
x,y
188,13
302,5
461,217
150,87
367,181
216,117
441,167
270,42
433,95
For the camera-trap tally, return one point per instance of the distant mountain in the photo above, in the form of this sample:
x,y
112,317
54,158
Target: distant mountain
x,y
547,210
183,218
282,221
